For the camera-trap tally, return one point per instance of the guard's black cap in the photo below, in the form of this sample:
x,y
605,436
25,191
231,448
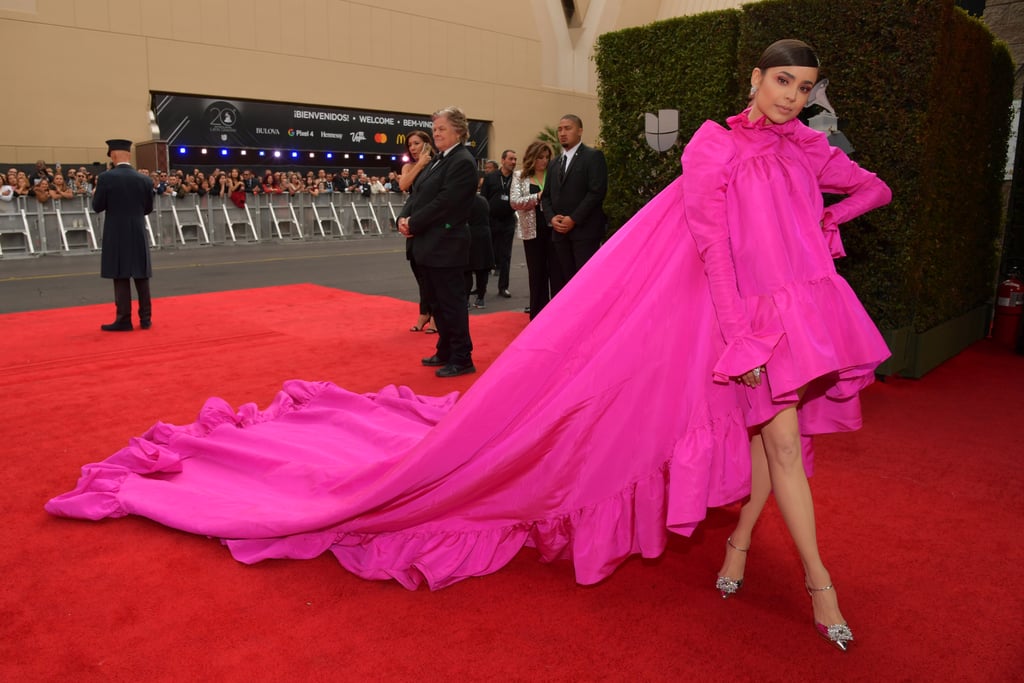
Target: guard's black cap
x,y
115,145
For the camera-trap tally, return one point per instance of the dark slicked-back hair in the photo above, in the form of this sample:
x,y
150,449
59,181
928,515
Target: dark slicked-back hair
x,y
788,52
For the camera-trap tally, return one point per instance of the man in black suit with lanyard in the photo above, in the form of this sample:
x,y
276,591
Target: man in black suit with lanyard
x,y
436,218
574,193
495,190
127,196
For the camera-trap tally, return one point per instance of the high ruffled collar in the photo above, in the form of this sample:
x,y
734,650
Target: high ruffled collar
x,y
742,120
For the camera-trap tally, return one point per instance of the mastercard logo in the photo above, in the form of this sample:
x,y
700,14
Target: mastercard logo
x,y
380,138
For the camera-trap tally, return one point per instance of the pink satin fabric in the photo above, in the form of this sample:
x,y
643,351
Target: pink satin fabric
x,y
607,423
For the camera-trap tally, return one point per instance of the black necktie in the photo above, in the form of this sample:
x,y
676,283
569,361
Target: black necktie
x,y
564,165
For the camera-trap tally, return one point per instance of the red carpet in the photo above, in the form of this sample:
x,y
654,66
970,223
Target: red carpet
x,y
919,515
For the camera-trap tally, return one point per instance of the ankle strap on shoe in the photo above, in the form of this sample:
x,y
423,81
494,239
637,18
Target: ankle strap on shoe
x,y
733,545
818,590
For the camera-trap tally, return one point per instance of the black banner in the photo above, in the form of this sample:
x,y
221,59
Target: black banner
x,y
191,121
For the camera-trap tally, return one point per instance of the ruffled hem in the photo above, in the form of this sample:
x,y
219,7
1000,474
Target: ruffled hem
x,y
159,451
743,354
838,356
709,468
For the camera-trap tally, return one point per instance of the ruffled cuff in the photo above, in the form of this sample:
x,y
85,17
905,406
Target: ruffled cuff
x,y
830,226
743,354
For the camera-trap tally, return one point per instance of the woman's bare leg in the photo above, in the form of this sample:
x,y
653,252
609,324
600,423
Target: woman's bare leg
x,y
781,436
760,489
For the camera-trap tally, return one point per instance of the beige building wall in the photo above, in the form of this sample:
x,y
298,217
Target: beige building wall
x,y
84,69
1005,18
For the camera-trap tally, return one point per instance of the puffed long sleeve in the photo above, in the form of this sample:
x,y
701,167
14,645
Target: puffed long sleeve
x,y
838,174
705,182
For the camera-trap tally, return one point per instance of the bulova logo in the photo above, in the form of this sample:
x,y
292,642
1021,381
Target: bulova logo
x,y
267,131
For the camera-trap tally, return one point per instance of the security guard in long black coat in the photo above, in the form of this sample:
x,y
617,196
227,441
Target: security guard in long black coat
x,y
127,197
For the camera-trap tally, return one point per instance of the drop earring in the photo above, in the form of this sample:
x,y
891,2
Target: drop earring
x,y
753,90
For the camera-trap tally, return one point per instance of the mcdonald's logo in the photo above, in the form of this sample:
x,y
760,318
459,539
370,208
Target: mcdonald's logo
x,y
400,138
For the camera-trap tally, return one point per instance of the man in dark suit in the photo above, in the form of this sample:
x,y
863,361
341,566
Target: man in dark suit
x,y
574,193
502,217
436,218
127,196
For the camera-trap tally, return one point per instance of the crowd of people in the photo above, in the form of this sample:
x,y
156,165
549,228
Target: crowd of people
x,y
47,183
179,183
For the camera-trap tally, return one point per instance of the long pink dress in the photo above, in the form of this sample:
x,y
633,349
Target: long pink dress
x,y
610,421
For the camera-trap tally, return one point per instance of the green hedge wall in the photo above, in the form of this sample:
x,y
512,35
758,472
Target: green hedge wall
x,y
922,92
687,64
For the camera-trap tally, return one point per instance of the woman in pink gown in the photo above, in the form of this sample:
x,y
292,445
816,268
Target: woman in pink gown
x,y
797,339
587,441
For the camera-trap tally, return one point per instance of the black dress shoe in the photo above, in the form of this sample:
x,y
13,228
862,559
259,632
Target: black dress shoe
x,y
456,370
505,293
118,326
480,303
145,324
434,362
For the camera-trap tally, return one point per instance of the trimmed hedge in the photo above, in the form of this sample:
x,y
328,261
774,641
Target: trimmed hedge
x,y
923,93
687,64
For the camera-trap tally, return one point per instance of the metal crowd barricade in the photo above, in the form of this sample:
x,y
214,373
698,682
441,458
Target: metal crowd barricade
x,y
395,200
69,210
28,227
184,218
361,219
149,230
14,221
282,214
324,211
237,216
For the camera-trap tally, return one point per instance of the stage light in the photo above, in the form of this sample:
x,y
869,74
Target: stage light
x,y
330,155
262,153
223,152
361,157
405,158
312,155
346,156
202,151
277,154
295,155
243,152
394,158
181,150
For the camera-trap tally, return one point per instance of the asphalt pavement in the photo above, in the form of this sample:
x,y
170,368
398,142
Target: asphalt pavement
x,y
369,265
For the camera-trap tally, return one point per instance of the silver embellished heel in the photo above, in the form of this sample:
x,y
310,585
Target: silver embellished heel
x,y
838,634
726,585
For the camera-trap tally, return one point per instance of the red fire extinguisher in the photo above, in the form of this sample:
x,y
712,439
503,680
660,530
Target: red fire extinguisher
x,y
1009,308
